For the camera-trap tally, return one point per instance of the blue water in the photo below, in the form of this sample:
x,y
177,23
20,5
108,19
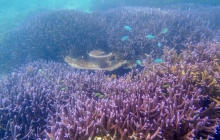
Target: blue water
x,y
15,14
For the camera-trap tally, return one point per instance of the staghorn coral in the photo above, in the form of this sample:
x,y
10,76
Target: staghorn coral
x,y
135,110
168,100
28,96
144,21
202,62
59,102
136,107
52,35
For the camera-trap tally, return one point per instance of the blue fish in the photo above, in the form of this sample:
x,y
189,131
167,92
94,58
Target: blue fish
x,y
158,60
124,38
127,28
150,37
159,44
165,30
138,62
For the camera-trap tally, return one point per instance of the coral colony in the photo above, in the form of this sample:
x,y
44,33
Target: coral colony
x,y
176,94
54,35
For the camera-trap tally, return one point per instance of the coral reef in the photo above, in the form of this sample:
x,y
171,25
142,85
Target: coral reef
x,y
59,102
53,35
177,98
147,26
137,108
201,61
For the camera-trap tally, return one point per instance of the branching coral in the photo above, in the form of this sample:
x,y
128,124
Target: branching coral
x,y
56,101
136,107
52,35
200,62
176,99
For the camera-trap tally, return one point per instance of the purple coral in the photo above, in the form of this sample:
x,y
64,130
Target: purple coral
x,y
172,100
52,100
52,35
137,109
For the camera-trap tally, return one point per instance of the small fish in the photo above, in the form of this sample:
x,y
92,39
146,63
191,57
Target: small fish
x,y
138,62
101,96
124,38
126,90
158,60
150,37
127,28
63,88
166,85
97,94
159,44
164,31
